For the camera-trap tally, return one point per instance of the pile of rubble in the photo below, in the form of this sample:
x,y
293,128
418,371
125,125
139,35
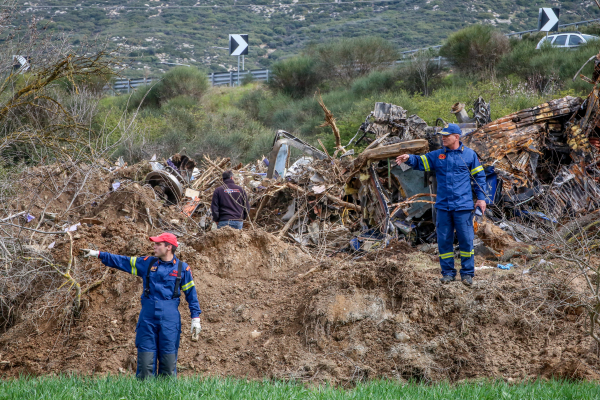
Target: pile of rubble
x,y
360,319
540,166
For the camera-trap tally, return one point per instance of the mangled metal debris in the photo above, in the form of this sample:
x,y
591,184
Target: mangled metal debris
x,y
540,165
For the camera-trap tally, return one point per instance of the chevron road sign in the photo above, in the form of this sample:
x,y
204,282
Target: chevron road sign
x,y
548,19
238,45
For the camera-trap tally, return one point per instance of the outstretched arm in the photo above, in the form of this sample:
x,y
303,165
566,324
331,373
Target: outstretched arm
x,y
123,263
421,163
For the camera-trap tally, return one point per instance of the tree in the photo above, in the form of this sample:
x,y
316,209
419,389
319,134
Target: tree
x,y
423,69
47,105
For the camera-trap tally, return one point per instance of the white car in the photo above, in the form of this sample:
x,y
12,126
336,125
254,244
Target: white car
x,y
567,39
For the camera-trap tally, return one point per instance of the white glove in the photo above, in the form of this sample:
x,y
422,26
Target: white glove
x,y
90,253
196,328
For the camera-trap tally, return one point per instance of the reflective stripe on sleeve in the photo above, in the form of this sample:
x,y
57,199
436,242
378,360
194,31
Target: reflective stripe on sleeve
x,y
425,163
132,261
187,286
446,255
476,170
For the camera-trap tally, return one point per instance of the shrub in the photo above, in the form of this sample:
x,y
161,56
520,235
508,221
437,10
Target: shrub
x,y
377,81
476,49
183,81
422,74
144,96
296,76
346,59
547,69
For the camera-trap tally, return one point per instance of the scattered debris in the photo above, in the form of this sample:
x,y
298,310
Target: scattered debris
x,y
295,263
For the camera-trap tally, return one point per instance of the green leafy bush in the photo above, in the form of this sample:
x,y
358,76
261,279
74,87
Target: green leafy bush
x,y
180,81
377,81
296,76
346,59
547,69
476,49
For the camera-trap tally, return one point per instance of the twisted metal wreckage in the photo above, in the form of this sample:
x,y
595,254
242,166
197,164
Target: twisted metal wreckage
x,y
541,164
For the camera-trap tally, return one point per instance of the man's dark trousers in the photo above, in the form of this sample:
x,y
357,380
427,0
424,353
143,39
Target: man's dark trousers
x,y
446,223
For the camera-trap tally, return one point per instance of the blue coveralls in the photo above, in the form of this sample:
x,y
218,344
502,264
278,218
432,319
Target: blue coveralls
x,y
454,170
159,324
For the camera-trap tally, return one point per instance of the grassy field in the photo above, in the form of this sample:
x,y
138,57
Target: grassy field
x,y
127,388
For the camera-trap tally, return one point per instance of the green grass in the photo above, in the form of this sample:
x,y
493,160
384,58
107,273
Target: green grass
x,y
127,388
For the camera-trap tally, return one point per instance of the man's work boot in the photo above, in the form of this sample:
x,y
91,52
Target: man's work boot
x,y
467,280
447,279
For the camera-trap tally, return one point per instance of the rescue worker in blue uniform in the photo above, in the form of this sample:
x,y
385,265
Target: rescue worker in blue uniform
x,y
455,166
159,324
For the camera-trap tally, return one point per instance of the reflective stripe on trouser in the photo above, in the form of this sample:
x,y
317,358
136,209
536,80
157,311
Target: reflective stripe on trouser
x,y
446,223
157,337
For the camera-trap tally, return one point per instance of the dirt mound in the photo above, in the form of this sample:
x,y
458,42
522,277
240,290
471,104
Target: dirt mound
x,y
271,310
230,253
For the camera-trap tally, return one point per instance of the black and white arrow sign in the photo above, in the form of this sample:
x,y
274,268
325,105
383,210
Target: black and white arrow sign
x,y
548,19
21,63
238,45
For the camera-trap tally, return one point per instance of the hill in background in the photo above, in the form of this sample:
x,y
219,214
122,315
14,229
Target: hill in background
x,y
152,32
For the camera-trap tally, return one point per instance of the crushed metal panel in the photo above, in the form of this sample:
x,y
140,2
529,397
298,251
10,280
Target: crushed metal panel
x,y
393,121
283,140
411,182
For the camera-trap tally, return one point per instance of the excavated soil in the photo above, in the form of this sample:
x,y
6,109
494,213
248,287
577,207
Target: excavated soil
x,y
272,310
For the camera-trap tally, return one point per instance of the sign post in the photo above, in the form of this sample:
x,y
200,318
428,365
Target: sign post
x,y
238,46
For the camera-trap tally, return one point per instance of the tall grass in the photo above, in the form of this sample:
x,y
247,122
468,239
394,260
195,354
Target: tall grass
x,y
127,388
351,105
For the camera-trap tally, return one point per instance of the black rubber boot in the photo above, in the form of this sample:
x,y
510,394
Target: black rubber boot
x,y
145,368
447,279
167,365
467,280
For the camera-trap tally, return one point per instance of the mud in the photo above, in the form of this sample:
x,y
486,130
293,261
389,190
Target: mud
x,y
271,310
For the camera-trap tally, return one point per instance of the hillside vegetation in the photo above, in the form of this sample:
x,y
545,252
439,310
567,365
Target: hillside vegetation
x,y
184,31
183,111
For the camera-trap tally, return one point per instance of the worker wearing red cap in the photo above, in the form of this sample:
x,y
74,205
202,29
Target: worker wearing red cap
x,y
159,325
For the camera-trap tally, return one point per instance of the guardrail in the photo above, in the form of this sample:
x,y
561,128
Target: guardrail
x,y
215,78
125,84
232,77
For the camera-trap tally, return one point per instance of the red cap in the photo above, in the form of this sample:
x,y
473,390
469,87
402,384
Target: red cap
x,y
165,237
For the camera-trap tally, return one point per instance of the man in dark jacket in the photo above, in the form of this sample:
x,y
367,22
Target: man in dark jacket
x,y
229,204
